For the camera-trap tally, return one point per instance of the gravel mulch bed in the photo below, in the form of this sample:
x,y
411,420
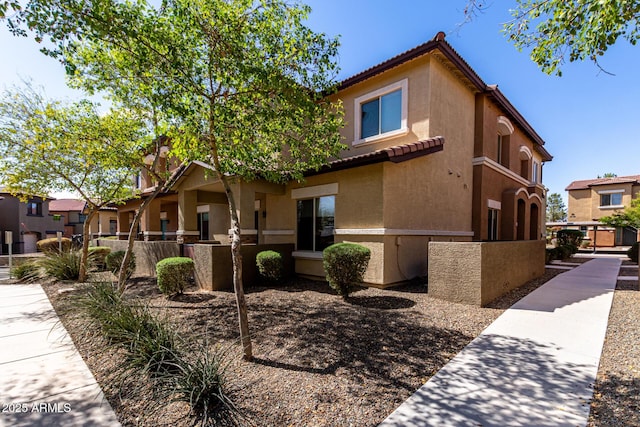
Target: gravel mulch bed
x,y
616,400
319,360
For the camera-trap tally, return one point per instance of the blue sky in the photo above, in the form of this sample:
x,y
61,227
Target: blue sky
x,y
589,120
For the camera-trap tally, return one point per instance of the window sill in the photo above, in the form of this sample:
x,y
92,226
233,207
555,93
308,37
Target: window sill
x,y
611,207
307,255
381,137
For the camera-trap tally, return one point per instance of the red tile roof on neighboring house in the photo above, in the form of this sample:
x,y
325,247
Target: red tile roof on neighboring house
x,y
67,205
588,183
395,154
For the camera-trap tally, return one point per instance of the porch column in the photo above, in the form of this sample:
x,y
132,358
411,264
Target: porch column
x,y
187,217
245,196
123,225
150,222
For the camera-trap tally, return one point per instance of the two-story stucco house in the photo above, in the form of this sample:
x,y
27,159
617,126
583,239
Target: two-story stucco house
x,y
433,154
591,199
29,221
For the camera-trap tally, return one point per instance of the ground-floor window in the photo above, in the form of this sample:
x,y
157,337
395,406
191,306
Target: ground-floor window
x,y
315,219
203,225
493,224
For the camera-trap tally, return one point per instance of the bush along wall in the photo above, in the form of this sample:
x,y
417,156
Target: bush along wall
x,y
345,265
270,266
174,274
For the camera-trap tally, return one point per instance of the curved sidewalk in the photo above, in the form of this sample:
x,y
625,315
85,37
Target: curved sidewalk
x,y
43,379
534,366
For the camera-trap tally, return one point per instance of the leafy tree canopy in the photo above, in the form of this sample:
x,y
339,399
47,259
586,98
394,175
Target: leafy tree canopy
x,y
556,210
557,31
629,217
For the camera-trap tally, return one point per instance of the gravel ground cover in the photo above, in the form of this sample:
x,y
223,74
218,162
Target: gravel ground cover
x,y
319,361
616,400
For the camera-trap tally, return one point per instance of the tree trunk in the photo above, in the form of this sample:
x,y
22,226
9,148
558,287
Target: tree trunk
x,y
84,256
122,276
236,256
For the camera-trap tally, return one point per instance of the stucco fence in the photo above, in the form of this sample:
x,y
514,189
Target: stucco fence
x,y
213,267
479,272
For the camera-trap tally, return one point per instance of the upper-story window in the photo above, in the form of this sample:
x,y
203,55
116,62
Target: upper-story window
x,y
505,129
611,199
535,172
34,208
382,113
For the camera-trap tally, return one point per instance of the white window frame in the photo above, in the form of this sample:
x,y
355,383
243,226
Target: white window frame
x,y
535,173
357,112
610,192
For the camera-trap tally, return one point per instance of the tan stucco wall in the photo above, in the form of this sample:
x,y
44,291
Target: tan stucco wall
x,y
147,253
584,205
478,272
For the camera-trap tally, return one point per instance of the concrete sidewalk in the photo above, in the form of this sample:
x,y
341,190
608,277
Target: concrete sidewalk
x,y
534,366
43,379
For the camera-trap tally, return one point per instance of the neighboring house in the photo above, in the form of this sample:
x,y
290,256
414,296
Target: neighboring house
x,y
592,199
73,214
433,154
29,221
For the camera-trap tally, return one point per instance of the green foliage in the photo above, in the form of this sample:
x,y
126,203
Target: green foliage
x,y
629,217
632,252
63,265
150,343
559,253
114,259
26,272
556,210
345,265
174,274
51,244
270,265
570,238
97,256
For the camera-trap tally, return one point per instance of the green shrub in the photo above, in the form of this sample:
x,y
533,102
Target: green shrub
x,y
26,272
51,244
174,274
114,259
270,265
565,252
549,255
98,255
61,265
570,238
632,252
345,265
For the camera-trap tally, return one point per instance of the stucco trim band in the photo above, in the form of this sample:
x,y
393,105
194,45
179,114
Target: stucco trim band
x,y
187,233
307,255
485,161
315,191
152,233
278,232
400,232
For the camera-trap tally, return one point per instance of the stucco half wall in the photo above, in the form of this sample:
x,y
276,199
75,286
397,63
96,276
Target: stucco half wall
x,y
478,272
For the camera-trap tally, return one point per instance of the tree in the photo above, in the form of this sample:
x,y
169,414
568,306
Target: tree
x,y
573,30
608,175
49,146
246,79
629,217
556,210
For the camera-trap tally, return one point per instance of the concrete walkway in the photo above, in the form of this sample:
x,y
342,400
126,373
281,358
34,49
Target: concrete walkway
x,y
43,379
534,366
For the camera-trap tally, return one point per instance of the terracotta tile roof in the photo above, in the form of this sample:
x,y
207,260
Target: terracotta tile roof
x,y
67,205
588,183
395,154
492,91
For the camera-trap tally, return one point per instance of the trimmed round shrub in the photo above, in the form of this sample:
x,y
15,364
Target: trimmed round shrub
x,y
98,255
174,274
270,265
345,264
570,238
114,259
632,252
51,245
